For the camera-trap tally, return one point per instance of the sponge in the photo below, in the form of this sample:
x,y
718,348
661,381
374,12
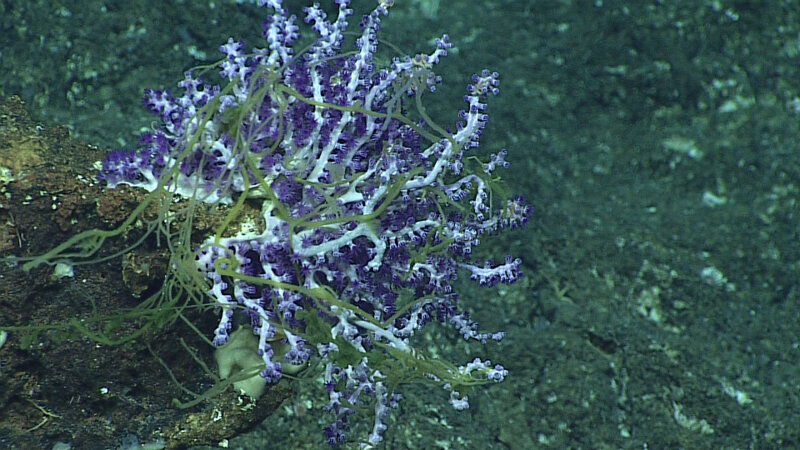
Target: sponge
x,y
240,353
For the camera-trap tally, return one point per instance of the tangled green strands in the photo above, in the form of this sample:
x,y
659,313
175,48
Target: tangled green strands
x,y
184,286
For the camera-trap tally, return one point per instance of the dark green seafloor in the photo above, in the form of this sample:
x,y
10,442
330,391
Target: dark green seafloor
x,y
658,143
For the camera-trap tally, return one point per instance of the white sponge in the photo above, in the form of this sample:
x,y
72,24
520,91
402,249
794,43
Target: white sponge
x,y
238,354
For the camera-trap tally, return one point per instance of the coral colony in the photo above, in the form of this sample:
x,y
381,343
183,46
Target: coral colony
x,y
369,210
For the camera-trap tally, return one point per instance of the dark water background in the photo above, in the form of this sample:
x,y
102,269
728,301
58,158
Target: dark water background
x,y
658,144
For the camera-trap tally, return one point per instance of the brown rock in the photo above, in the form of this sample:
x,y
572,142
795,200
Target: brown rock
x,y
56,382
